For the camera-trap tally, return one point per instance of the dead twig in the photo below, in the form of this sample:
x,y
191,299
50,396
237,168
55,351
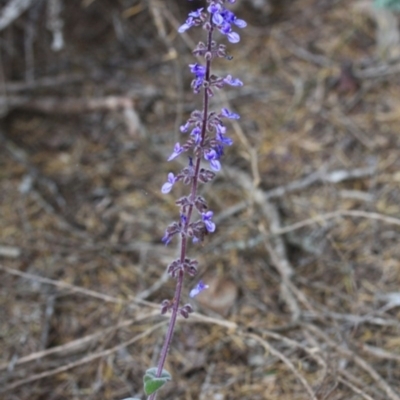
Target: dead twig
x,y
350,377
78,344
360,362
10,251
354,388
51,105
356,319
55,23
82,361
78,289
301,52
41,83
268,210
12,10
63,285
67,106
378,352
269,348
276,248
314,352
340,119
158,12
337,214
320,176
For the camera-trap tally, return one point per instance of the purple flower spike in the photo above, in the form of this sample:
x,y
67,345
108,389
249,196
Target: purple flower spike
x,y
205,143
178,149
227,114
206,217
198,289
166,188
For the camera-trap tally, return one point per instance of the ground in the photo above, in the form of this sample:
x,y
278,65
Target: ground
x,y
304,267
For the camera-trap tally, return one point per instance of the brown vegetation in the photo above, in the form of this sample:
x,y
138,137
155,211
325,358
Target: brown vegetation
x,y
304,269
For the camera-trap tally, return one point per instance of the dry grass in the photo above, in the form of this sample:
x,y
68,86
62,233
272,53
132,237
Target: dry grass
x,y
305,264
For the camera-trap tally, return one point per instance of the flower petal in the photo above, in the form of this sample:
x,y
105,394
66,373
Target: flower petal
x,y
198,289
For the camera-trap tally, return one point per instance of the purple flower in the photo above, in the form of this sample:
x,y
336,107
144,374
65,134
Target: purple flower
x,y
187,25
183,218
219,150
166,238
223,18
221,129
220,136
184,128
171,230
206,217
217,19
196,133
194,16
198,70
240,23
227,114
198,289
200,73
214,8
226,29
166,188
196,84
233,81
230,18
224,140
212,156
233,37
178,149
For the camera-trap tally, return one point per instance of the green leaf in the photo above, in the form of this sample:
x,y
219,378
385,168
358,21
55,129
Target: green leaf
x,y
152,382
389,4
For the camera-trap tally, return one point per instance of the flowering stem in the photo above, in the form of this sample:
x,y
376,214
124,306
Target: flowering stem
x,y
184,236
207,140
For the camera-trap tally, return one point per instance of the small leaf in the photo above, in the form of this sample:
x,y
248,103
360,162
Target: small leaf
x,y
152,382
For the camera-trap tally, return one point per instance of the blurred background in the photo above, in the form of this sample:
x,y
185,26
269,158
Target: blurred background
x,y
304,268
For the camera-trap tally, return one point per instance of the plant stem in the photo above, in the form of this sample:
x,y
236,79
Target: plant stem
x,y
193,194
